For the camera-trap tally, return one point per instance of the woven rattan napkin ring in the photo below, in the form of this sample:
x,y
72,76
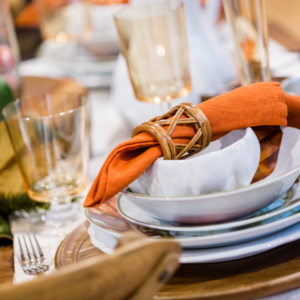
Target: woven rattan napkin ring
x,y
171,150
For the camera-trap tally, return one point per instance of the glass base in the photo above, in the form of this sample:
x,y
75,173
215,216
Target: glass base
x,y
56,222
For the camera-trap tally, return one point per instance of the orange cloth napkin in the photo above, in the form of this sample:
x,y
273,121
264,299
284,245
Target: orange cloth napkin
x,y
29,16
250,106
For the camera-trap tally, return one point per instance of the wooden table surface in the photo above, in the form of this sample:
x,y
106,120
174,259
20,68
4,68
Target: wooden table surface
x,y
6,264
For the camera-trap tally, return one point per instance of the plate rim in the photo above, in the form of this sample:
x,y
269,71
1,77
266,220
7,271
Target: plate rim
x,y
248,249
190,240
205,227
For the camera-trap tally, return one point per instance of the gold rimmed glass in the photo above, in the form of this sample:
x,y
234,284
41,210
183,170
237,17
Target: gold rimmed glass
x,y
50,140
249,31
154,43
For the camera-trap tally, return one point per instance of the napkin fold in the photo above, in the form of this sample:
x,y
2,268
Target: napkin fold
x,y
250,106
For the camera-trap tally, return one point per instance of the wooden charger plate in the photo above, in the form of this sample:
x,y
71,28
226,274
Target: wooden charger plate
x,y
268,273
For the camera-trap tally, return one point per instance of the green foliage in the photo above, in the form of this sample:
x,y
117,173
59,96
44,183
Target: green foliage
x,y
4,227
11,203
6,95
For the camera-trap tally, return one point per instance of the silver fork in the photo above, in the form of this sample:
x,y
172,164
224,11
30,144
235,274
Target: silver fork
x,y
25,263
34,264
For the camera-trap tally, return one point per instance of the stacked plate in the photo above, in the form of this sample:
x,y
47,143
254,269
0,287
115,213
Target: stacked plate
x,y
201,243
274,223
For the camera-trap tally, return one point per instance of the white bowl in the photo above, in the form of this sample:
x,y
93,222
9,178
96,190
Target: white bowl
x,y
224,206
225,165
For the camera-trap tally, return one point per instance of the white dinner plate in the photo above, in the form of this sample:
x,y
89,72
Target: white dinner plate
x,y
134,214
107,219
106,243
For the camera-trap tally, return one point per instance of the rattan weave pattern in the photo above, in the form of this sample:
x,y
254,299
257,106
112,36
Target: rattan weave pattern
x,y
171,150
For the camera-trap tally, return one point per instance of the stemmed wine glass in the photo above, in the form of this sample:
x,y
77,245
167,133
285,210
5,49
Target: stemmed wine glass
x,y
154,43
249,30
50,138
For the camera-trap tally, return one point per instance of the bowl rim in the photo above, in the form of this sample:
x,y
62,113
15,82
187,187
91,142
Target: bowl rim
x,y
253,186
226,225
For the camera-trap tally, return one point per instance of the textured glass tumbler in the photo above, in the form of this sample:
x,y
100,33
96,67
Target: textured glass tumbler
x,y
50,140
249,31
154,43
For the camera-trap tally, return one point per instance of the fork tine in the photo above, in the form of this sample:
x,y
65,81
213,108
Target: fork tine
x,y
21,250
27,267
33,250
43,260
28,253
38,246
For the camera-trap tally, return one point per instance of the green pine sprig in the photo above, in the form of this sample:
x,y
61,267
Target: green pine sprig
x,y
9,203
4,229
6,95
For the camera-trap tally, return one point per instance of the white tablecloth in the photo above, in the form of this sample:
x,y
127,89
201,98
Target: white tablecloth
x,y
20,228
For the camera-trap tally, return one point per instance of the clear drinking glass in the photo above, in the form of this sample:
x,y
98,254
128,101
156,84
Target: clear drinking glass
x,y
154,43
249,31
50,140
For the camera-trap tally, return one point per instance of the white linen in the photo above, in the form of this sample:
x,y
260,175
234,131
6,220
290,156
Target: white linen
x,y
49,245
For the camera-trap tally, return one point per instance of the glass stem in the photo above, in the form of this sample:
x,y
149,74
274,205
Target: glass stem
x,y
169,105
165,106
59,214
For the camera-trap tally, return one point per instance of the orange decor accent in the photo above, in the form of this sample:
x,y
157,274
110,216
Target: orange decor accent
x,y
248,48
202,2
108,2
250,106
28,17
270,140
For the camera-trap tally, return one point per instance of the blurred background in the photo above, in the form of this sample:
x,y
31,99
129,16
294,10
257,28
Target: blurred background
x,y
61,40
72,45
